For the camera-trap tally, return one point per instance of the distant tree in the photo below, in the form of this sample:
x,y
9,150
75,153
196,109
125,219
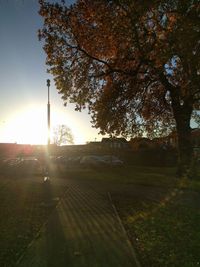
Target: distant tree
x,y
62,135
134,64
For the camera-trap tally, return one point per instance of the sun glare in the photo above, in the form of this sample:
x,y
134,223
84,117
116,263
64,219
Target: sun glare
x,y
29,126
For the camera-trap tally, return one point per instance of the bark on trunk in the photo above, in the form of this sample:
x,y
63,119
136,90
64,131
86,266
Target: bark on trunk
x,y
182,106
182,115
184,148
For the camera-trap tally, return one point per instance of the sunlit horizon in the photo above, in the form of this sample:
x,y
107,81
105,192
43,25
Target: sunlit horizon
x,y
29,126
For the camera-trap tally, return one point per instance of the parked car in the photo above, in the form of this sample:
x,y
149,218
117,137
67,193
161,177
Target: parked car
x,y
61,159
106,160
30,166
74,160
112,160
11,162
92,161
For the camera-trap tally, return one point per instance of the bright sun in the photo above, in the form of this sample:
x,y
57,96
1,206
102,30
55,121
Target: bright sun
x,y
29,126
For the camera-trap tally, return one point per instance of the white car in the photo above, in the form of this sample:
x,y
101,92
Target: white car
x,y
112,160
107,160
92,161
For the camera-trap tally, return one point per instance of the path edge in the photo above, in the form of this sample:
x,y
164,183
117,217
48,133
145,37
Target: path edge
x,y
133,252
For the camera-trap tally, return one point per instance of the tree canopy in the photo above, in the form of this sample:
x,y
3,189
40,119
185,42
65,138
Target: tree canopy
x,y
62,135
134,64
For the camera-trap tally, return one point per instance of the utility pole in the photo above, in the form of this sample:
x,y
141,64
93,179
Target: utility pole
x,y
48,113
47,163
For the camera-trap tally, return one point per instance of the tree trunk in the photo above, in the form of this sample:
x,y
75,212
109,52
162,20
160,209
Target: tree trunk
x,y
182,115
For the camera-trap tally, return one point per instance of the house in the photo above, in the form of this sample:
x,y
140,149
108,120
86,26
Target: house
x,y
139,143
114,143
172,138
14,149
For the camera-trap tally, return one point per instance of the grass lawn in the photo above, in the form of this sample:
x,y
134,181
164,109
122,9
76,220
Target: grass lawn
x,y
25,205
161,214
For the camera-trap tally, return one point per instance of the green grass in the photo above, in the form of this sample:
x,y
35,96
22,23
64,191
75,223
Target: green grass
x,y
25,205
169,235
128,174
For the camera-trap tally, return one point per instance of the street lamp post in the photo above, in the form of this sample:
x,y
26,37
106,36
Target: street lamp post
x,y
48,113
47,166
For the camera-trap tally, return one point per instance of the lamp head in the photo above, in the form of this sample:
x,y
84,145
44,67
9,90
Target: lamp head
x,y
48,82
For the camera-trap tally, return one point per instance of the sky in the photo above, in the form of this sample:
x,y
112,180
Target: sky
x,y
23,90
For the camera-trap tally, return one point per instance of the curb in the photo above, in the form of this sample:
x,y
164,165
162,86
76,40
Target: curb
x,y
125,233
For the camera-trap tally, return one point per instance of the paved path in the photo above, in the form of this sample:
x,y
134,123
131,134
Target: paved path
x,y
83,231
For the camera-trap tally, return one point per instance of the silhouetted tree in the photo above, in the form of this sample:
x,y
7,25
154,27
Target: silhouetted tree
x,y
62,135
134,64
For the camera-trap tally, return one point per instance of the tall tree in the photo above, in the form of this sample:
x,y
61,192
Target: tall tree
x,y
134,64
62,135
